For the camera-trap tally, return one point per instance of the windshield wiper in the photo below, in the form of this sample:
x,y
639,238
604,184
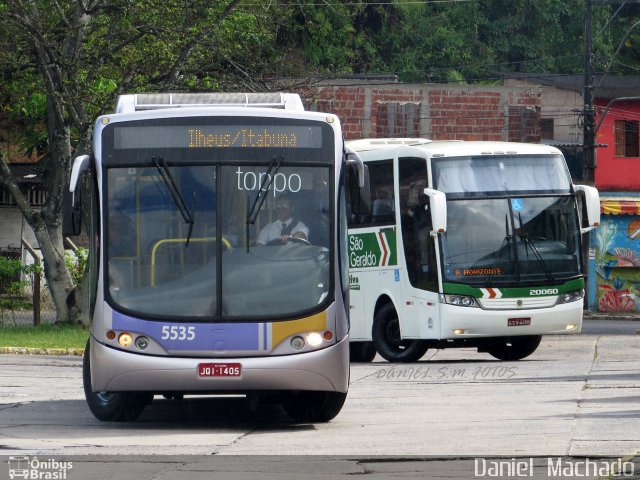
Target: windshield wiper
x,y
267,181
178,199
528,242
274,166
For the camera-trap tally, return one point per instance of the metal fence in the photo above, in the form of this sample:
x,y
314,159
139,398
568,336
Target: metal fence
x,y
14,311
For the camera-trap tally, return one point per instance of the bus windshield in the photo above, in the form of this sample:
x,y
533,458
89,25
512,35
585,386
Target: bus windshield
x,y
487,175
498,241
180,245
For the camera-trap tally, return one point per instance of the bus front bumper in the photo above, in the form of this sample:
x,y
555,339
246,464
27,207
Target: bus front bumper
x,y
464,322
114,370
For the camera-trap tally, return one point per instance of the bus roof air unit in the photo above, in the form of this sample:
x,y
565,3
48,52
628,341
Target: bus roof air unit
x,y
155,101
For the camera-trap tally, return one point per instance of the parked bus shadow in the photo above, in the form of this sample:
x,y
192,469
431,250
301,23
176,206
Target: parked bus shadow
x,y
217,412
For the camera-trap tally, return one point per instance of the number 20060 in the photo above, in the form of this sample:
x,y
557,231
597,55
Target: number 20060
x,y
178,332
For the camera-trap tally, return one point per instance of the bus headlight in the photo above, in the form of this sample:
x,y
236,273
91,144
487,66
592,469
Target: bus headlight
x,y
314,339
142,342
125,339
572,296
297,343
460,300
310,340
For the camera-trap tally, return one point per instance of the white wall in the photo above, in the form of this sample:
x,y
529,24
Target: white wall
x,y
13,228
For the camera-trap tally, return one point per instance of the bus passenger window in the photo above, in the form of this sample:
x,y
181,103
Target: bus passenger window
x,y
382,196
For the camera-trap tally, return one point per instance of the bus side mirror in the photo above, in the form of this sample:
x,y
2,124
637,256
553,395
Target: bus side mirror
x,y
357,183
71,200
354,160
438,207
71,214
592,206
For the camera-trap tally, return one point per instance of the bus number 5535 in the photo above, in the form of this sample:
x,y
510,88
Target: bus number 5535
x,y
178,332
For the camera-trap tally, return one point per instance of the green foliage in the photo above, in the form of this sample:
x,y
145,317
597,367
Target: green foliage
x,y
13,304
14,278
153,45
30,112
76,263
323,37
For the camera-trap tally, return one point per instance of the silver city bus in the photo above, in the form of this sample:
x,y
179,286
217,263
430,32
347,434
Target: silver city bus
x,y
185,299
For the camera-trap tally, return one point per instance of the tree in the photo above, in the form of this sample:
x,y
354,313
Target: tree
x,y
63,62
79,54
320,37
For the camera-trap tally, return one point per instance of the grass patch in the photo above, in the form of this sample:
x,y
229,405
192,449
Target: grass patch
x,y
44,336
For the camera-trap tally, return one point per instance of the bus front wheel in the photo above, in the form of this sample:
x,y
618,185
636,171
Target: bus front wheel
x,y
387,339
362,351
313,407
514,348
112,406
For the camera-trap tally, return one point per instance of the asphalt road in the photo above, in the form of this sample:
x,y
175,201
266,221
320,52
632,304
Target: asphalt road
x,y
576,397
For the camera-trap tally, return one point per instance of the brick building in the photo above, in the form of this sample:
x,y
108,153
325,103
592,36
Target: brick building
x,y
379,109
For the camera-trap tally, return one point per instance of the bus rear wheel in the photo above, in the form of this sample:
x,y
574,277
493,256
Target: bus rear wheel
x,y
387,339
362,351
112,406
313,407
514,348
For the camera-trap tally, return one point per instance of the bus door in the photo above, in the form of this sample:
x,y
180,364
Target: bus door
x,y
373,251
420,291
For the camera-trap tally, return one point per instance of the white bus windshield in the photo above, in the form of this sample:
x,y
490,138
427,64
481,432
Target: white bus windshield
x,y
487,175
506,240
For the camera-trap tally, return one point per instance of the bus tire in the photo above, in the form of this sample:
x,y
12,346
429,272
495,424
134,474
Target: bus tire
x,y
313,407
387,340
515,348
362,352
112,406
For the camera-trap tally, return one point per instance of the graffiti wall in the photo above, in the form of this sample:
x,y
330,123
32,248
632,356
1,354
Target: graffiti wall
x,y
618,263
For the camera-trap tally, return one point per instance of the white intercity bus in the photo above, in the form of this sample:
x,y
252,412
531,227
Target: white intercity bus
x,y
467,244
184,299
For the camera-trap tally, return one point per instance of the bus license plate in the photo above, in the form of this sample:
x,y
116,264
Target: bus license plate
x,y
518,322
219,370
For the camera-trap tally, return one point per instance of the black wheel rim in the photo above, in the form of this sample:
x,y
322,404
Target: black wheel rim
x,y
392,336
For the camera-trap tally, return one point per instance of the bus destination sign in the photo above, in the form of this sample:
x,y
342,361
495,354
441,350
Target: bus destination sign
x,y
217,136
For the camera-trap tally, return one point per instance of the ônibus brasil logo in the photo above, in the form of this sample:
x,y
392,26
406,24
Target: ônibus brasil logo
x,y
35,469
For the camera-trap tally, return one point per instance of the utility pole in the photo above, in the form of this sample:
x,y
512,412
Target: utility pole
x,y
589,140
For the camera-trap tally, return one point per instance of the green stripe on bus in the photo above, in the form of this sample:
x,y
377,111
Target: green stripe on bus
x,y
508,292
373,249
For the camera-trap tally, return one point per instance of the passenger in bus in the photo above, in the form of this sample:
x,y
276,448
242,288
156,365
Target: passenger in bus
x,y
287,226
382,207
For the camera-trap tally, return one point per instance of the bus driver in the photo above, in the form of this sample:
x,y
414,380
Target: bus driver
x,y
285,227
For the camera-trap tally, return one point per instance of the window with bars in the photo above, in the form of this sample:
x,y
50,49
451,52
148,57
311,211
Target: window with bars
x,y
398,119
547,128
627,138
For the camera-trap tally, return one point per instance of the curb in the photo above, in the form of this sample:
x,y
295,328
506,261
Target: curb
x,y
612,316
42,351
